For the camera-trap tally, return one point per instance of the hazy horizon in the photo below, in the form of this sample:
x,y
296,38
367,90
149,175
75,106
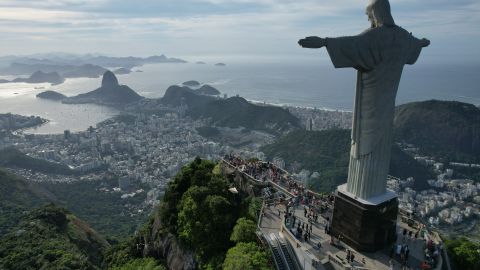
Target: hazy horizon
x,y
220,28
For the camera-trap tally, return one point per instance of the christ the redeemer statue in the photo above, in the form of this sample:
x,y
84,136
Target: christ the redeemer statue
x,y
378,54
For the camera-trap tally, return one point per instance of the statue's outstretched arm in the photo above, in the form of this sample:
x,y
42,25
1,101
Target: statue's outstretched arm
x,y
424,42
312,42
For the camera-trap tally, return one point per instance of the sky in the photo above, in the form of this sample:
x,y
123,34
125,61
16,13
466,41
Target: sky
x,y
248,29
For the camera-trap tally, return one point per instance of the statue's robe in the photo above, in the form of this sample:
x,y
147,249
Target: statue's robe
x,y
379,55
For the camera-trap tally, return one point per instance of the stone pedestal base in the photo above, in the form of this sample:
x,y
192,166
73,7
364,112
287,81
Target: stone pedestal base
x,y
365,225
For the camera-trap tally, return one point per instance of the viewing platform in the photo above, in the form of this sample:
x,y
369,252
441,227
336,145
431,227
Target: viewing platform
x,y
285,217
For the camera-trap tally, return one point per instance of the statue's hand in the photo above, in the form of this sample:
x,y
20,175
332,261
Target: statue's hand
x,y
312,42
425,42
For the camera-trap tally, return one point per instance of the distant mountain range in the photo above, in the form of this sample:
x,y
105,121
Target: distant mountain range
x,y
71,66
55,68
66,71
40,77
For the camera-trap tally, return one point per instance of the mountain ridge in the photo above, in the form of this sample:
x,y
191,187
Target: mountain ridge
x,y
231,112
447,130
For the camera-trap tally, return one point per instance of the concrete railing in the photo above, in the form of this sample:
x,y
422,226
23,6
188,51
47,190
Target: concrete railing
x,y
251,178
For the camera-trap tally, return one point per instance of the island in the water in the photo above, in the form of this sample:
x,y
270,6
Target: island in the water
x,y
220,64
122,71
39,77
51,95
191,83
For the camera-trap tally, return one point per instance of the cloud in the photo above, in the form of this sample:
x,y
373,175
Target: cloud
x,y
219,26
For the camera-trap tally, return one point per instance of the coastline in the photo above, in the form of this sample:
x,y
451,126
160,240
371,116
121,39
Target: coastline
x,y
298,111
286,105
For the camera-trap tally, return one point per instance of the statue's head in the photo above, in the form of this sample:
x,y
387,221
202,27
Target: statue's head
x,y
378,12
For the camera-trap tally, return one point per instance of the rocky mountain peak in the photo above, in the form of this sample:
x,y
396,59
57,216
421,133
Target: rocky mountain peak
x,y
109,79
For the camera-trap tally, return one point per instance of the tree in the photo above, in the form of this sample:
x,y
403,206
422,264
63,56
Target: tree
x,y
181,183
465,254
140,264
244,231
246,256
205,221
254,208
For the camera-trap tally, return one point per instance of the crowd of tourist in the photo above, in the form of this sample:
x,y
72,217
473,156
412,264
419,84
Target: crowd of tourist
x,y
315,204
266,171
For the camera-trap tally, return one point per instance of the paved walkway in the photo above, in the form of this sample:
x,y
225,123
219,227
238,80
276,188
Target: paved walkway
x,y
272,222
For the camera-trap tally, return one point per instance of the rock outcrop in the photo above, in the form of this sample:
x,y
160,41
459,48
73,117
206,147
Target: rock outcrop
x,y
109,80
165,247
208,90
110,93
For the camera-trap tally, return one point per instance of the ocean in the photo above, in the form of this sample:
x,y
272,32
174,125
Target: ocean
x,y
310,83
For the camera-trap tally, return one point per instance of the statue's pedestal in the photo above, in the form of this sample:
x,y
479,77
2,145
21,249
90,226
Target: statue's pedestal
x,y
365,225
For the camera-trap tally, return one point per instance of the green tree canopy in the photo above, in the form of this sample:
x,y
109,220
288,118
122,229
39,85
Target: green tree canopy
x,y
465,254
254,208
176,188
244,231
246,256
140,264
205,221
